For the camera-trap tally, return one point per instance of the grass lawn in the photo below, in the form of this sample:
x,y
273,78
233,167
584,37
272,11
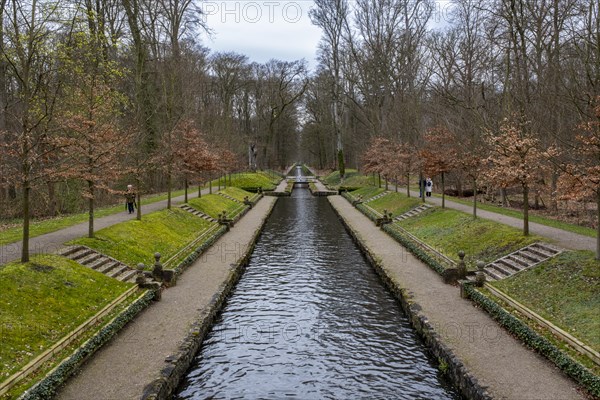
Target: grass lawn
x,y
352,179
213,205
564,290
37,228
250,180
582,230
396,203
134,241
43,300
237,193
367,192
450,231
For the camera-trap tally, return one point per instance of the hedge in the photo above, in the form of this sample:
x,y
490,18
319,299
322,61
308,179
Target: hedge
x,y
47,387
537,342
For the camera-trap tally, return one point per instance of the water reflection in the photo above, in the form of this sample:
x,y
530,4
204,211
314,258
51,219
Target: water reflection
x,y
310,320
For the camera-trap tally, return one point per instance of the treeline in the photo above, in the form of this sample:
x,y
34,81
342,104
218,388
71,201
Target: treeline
x,y
103,90
384,71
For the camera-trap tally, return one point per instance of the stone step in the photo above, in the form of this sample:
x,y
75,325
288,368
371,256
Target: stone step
x,y
109,266
67,251
80,254
518,259
500,269
543,254
547,248
118,270
90,258
524,258
494,275
99,262
534,258
509,265
229,197
128,276
197,213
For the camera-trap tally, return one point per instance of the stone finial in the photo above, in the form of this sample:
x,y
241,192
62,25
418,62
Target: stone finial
x,y
140,279
480,275
157,271
462,268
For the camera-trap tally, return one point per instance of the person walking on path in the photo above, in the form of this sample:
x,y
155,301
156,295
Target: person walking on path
x,y
130,199
428,187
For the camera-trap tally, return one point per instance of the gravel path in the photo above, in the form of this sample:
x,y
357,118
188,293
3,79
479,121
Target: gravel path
x,y
500,362
51,242
133,359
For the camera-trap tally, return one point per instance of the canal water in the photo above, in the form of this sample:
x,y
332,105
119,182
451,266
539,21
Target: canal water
x,y
310,319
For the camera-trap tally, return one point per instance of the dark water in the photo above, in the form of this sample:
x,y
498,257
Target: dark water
x,y
310,320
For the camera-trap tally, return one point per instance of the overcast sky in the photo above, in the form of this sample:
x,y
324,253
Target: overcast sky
x,y
268,29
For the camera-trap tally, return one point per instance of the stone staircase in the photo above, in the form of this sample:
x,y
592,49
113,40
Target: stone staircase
x,y
520,260
415,211
380,195
197,213
230,198
99,262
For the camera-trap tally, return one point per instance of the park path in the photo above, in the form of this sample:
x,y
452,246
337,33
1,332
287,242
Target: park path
x,y
499,362
53,241
566,239
134,358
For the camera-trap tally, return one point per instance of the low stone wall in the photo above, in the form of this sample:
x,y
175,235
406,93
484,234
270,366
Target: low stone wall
x,y
456,372
178,364
46,388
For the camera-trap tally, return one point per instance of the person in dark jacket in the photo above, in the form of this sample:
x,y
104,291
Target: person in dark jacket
x,y
130,199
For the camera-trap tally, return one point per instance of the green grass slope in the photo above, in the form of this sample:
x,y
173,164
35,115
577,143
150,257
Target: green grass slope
x,y
396,203
450,231
213,205
134,241
42,301
564,290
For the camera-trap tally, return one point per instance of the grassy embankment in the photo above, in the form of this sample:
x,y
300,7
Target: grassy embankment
x,y
564,290
47,225
249,181
133,241
70,293
42,301
511,212
13,234
166,231
213,205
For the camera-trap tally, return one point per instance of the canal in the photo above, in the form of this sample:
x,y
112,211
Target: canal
x,y
310,319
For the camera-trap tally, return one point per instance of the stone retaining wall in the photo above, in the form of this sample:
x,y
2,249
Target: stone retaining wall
x,y
178,364
456,372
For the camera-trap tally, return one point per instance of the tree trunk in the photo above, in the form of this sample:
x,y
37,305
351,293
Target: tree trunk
x,y
474,198
91,210
51,199
138,195
185,184
199,190
504,197
386,182
379,180
169,184
210,186
598,225
396,179
443,192
553,186
525,210
25,247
